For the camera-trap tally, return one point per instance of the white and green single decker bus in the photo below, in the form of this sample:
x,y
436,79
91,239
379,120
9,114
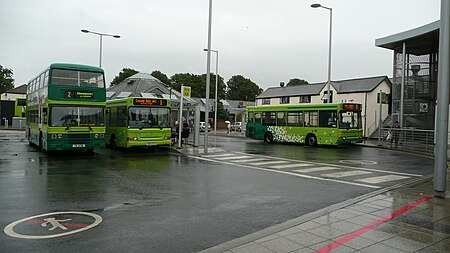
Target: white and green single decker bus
x,y
310,124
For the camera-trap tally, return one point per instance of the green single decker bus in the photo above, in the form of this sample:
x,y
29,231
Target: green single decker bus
x,y
66,108
311,124
138,122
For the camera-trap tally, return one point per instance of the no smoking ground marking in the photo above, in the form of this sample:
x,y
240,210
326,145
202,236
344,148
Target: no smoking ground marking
x,y
51,225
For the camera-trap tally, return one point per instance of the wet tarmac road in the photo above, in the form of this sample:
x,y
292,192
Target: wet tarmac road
x,y
160,201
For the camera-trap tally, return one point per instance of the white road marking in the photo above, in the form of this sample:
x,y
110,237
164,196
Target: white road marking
x,y
287,173
340,166
267,163
292,165
232,157
255,160
381,179
316,169
346,173
218,155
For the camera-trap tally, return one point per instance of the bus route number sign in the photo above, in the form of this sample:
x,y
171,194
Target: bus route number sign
x,y
78,94
149,101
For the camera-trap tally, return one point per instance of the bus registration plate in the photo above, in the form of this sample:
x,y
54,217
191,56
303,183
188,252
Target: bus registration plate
x,y
78,145
151,144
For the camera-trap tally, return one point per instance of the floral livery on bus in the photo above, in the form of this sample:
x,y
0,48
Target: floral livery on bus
x,y
311,124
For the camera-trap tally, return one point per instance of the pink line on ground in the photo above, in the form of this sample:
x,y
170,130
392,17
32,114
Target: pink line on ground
x,y
353,235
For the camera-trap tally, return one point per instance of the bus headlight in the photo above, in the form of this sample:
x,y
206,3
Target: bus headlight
x,y
99,136
342,138
57,136
132,139
166,138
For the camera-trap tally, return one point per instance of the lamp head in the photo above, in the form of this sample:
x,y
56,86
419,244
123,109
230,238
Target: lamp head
x,y
116,36
316,5
85,31
206,50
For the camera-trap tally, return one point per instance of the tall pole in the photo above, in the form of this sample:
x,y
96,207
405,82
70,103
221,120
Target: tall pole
x,y
402,88
440,164
101,42
329,55
217,81
329,49
208,78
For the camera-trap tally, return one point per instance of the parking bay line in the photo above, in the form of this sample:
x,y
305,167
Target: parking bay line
x,y
292,165
286,172
342,166
255,160
381,179
218,155
347,173
315,169
232,157
267,163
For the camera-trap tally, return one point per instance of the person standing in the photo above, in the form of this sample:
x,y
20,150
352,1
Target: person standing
x,y
395,133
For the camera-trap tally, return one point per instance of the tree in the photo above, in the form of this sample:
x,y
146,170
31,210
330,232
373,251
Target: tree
x,y
221,88
241,88
161,77
6,80
124,74
196,82
296,81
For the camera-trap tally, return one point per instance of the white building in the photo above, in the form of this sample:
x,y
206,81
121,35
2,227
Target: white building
x,y
361,90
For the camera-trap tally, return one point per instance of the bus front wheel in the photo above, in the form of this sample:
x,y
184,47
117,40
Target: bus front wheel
x,y
268,137
311,140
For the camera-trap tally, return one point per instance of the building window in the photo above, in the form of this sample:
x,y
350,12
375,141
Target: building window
x,y
284,100
324,97
266,101
305,99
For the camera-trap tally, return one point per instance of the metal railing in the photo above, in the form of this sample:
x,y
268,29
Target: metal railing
x,y
414,140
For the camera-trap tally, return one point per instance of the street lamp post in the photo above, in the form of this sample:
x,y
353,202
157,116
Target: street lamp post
x,y
208,73
329,49
217,78
101,41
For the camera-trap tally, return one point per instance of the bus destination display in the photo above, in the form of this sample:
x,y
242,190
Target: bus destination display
x,y
149,101
352,107
79,94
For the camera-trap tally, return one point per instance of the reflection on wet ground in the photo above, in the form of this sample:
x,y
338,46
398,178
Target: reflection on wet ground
x,y
407,219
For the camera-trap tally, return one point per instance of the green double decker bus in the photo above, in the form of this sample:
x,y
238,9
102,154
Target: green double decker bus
x,y
138,122
66,108
311,124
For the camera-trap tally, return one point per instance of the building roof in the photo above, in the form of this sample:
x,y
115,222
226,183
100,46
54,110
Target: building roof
x,y
298,90
343,86
22,89
231,106
359,85
418,40
144,84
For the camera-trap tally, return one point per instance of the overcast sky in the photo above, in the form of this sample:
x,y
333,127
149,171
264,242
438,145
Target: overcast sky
x,y
268,41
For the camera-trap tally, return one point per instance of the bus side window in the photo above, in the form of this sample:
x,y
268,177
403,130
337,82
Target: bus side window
x,y
258,118
281,118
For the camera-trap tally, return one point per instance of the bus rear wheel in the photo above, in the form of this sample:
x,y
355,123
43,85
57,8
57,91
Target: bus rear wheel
x,y
311,140
268,137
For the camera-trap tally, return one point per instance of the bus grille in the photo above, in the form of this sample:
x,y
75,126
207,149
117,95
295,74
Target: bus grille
x,y
78,138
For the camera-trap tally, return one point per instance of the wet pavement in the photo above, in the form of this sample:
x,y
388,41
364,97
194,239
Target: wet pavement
x,y
395,219
165,202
